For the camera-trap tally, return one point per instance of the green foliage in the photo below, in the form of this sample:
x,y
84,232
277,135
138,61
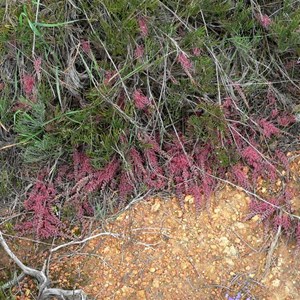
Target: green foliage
x,y
41,150
4,110
286,32
105,208
208,123
4,180
5,295
9,228
32,128
240,22
29,125
206,74
226,157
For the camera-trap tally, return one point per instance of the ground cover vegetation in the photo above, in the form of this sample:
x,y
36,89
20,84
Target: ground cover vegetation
x,y
104,101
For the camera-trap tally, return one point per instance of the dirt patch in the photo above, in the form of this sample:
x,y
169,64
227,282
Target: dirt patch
x,y
164,252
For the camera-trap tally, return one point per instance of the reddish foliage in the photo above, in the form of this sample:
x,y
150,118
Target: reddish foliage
x,y
284,221
268,128
251,156
270,171
140,100
191,173
126,186
178,163
208,184
28,83
196,192
37,66
88,180
152,160
240,176
188,167
202,155
264,20
42,197
143,26
185,62
153,176
178,166
282,158
274,113
237,138
86,46
100,179
196,51
271,211
154,181
41,201
81,165
287,196
286,120
257,172
228,103
137,164
264,209
139,51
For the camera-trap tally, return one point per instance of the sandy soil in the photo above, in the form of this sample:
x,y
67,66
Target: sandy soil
x,y
166,253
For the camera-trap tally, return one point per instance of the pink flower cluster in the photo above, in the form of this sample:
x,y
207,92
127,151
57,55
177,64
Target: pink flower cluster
x,y
139,51
265,21
140,100
110,77
41,201
268,128
143,26
196,51
251,155
28,83
185,62
240,176
86,46
37,63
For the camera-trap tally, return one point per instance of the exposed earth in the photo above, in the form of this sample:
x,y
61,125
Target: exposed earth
x,y
160,251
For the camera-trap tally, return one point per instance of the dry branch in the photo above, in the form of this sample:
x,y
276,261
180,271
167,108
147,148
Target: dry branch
x,y
45,291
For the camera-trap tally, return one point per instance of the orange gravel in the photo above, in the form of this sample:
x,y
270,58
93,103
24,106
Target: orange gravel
x,y
167,253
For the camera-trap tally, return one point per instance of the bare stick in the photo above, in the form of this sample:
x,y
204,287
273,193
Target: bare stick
x,y
271,252
84,240
12,282
44,290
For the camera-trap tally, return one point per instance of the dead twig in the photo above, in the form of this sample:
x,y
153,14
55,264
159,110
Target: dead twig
x,y
45,291
12,282
84,240
271,252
